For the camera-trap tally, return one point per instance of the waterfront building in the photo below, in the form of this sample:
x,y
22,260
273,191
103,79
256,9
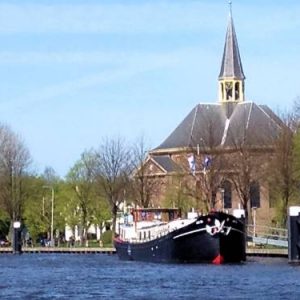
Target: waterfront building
x,y
218,155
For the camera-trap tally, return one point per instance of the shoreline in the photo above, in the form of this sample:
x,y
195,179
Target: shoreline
x,y
110,250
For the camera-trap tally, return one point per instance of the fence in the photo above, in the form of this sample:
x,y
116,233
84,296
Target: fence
x,y
265,235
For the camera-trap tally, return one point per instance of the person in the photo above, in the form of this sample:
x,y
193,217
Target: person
x,y
72,241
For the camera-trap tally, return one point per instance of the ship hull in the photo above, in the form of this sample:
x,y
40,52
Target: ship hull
x,y
201,241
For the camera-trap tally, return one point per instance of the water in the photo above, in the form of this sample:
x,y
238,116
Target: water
x,y
99,276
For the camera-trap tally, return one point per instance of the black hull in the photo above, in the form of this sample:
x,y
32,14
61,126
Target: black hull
x,y
192,243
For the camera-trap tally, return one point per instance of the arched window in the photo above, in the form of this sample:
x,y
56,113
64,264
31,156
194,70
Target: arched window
x,y
228,90
213,198
222,90
227,193
254,194
237,91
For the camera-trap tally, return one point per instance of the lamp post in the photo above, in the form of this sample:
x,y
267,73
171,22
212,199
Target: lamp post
x,y
52,213
222,191
254,220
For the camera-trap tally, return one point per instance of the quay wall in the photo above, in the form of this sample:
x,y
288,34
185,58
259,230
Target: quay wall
x,y
276,252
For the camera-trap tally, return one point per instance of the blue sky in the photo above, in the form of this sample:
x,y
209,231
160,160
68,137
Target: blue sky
x,y
73,72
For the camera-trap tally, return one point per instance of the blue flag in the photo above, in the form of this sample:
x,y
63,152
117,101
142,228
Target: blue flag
x,y
207,162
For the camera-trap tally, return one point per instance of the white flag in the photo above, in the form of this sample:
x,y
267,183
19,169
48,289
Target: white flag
x,y
192,164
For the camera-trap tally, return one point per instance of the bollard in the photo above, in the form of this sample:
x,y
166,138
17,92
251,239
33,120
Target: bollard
x,y
17,240
294,234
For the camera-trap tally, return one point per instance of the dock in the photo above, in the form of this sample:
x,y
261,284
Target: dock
x,y
62,250
264,252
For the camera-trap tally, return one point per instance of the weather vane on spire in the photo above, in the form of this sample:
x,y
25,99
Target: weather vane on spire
x,y
230,7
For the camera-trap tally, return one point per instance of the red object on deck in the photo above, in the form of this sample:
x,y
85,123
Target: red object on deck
x,y
218,260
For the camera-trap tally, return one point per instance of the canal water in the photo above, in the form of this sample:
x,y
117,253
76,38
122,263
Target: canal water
x,y
101,276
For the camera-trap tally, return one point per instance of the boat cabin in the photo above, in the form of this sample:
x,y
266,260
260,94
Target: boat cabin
x,y
145,224
155,214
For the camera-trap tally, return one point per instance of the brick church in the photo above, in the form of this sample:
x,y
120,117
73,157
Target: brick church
x,y
217,157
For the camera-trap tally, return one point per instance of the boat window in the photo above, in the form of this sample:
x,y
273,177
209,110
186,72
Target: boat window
x,y
145,235
140,236
149,234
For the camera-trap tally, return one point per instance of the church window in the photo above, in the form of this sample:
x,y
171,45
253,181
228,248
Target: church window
x,y
228,90
237,91
254,194
222,90
213,198
227,194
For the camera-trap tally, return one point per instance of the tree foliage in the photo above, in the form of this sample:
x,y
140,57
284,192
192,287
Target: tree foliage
x,y
15,160
82,182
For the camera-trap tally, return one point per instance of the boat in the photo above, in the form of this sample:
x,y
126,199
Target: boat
x,y
162,235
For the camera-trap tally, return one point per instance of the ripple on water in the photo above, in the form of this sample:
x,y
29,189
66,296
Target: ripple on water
x,y
98,276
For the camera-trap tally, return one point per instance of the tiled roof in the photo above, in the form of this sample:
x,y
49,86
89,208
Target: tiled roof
x,y
207,126
231,62
166,163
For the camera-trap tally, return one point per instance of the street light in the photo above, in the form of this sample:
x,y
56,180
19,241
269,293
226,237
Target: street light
x,y
222,191
52,213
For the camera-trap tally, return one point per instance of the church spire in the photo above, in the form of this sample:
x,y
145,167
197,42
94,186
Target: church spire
x,y
231,77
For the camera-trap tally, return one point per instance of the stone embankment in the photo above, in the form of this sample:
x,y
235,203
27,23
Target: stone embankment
x,y
276,252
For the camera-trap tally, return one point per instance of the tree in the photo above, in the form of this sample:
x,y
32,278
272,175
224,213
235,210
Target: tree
x,y
247,162
284,170
208,162
112,171
14,165
102,213
50,176
179,194
144,186
82,181
35,208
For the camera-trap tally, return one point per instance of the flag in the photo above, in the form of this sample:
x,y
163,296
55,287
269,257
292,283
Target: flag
x,y
207,162
192,164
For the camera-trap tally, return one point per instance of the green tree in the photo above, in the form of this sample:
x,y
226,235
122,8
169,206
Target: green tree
x,y
284,168
82,181
34,209
15,161
179,194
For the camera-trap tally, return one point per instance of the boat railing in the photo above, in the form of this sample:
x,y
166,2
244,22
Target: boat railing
x,y
155,232
153,236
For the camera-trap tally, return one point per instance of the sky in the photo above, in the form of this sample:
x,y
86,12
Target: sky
x,y
74,72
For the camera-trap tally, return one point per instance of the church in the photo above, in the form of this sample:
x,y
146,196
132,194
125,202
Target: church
x,y
217,156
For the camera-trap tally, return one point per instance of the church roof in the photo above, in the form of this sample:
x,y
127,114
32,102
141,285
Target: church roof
x,y
252,125
166,163
231,63
225,125
207,126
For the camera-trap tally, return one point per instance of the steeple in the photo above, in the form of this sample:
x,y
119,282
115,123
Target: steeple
x,y
231,77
